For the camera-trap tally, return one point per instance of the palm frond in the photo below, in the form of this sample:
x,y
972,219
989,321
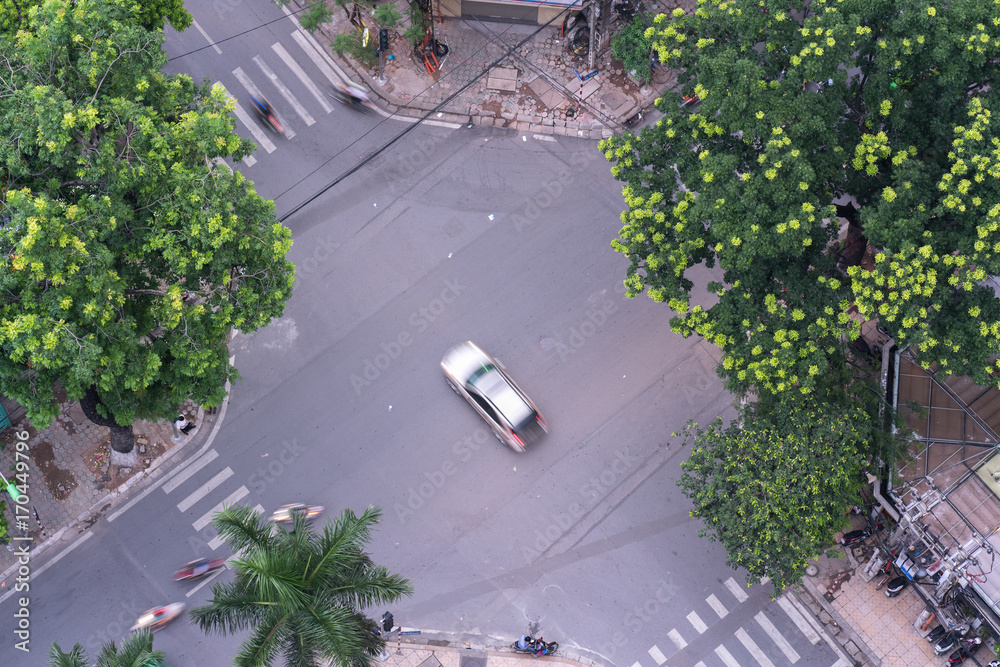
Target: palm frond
x,y
135,651
232,609
75,658
244,529
264,643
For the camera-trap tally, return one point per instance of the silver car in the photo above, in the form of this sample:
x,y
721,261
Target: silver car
x,y
482,381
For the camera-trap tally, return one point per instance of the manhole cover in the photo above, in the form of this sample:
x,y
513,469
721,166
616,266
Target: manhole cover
x,y
614,99
547,344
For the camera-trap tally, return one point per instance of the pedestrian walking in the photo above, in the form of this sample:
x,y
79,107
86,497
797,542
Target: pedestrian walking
x,y
183,425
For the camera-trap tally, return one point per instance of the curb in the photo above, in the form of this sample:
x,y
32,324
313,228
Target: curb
x,y
477,644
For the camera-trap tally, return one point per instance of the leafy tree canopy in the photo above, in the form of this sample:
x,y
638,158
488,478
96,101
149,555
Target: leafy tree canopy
x,y
128,249
300,593
773,485
151,14
136,651
886,104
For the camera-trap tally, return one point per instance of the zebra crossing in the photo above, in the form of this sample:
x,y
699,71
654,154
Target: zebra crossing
x,y
759,642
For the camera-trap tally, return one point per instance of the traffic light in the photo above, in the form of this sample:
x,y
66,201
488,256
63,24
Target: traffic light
x,y
383,39
387,619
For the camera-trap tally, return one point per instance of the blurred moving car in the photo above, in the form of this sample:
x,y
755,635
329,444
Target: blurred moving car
x,y
284,513
478,377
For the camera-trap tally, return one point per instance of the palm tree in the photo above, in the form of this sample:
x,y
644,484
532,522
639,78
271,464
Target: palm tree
x,y
301,592
136,651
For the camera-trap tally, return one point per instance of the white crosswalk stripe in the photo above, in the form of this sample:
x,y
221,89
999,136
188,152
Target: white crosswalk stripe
x,y
798,619
318,59
233,497
186,474
738,591
778,638
676,638
716,606
751,646
285,92
696,621
726,656
656,654
303,77
262,139
205,489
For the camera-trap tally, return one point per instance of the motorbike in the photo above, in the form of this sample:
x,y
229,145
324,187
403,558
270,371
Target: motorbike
x,y
968,647
284,513
854,537
536,647
199,568
157,617
896,586
950,639
935,634
265,114
352,95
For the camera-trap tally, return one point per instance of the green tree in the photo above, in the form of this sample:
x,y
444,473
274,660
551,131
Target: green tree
x,y
773,485
804,108
317,14
633,45
129,248
387,15
301,593
150,14
136,651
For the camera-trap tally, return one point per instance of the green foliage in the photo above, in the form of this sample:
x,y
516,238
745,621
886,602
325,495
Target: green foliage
x,y
350,42
775,484
300,593
317,14
150,14
632,47
387,15
417,29
749,178
130,250
135,651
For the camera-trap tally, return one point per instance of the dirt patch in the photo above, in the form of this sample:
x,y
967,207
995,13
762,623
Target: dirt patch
x,y
110,477
58,481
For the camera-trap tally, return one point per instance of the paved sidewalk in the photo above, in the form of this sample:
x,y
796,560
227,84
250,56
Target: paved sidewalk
x,y
533,89
70,480
425,652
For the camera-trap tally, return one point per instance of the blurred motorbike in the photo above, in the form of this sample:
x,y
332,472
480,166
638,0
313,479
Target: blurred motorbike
x,y
352,95
284,513
265,113
199,568
157,617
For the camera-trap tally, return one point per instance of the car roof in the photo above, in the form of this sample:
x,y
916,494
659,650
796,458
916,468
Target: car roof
x,y
501,394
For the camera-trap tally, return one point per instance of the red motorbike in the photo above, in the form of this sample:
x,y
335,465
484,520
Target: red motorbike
x,y
197,569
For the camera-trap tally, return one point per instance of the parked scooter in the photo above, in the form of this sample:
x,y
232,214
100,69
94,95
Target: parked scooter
x,y
896,586
936,634
968,647
854,537
950,640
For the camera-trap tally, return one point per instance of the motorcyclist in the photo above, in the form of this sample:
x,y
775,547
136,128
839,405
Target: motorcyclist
x,y
540,647
525,642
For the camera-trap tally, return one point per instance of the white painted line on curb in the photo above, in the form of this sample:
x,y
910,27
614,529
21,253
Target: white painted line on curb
x,y
777,637
184,476
751,646
207,38
695,620
206,519
818,628
205,489
726,656
676,638
303,77
543,137
736,590
656,654
793,613
716,606
285,92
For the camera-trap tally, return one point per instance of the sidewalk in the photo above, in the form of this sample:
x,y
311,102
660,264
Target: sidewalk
x,y
533,89
70,481
424,652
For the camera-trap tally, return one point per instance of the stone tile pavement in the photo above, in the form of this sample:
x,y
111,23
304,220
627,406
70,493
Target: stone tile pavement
x,y
422,653
543,94
70,481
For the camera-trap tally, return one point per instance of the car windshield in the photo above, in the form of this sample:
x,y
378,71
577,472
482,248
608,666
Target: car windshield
x,y
493,386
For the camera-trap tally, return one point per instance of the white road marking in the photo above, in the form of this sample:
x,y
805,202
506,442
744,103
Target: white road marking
x,y
798,620
200,463
841,663
262,139
303,77
656,654
321,63
726,656
205,489
636,664
206,519
676,638
716,606
543,137
696,621
736,590
699,664
778,638
207,38
251,88
215,542
285,92
751,646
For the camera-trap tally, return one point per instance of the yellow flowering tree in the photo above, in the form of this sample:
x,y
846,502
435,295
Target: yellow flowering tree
x,y
883,109
129,249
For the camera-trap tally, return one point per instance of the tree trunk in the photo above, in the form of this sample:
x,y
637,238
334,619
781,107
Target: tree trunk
x,y
856,243
122,437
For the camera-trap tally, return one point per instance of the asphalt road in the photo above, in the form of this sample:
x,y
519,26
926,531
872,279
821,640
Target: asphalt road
x,y
455,234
